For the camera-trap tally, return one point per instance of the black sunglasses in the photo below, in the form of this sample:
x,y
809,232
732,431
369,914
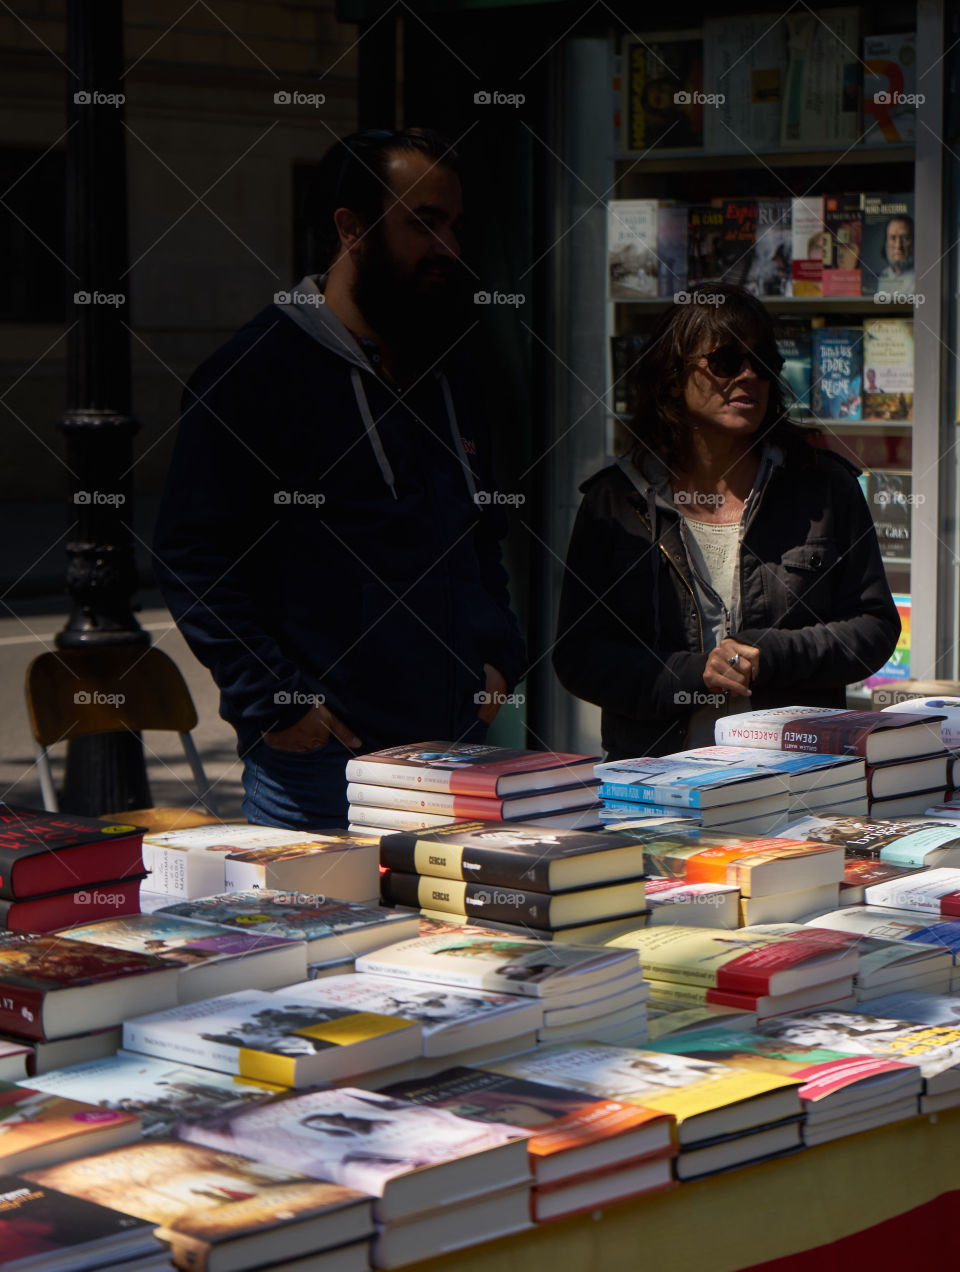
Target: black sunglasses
x,y
726,362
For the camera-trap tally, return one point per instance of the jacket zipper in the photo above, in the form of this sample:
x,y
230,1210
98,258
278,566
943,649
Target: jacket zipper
x,y
679,574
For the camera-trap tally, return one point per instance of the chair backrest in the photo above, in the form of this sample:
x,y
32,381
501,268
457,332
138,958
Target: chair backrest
x,y
75,692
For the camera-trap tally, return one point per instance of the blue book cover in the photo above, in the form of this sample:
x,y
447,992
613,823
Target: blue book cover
x,y
837,373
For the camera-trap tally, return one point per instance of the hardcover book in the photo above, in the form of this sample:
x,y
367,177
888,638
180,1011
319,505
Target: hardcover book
x,y
744,962
834,731
451,1020
331,929
521,856
888,243
472,768
50,988
56,852
539,910
706,1099
631,248
410,1158
37,1128
42,1229
570,1133
888,369
948,708
160,1093
284,1041
46,913
217,1209
836,374
484,961
807,222
211,959
466,807
915,843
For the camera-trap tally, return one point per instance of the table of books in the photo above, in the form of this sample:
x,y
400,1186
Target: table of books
x,y
884,1199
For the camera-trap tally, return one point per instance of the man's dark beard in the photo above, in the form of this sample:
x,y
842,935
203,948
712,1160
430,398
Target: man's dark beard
x,y
417,321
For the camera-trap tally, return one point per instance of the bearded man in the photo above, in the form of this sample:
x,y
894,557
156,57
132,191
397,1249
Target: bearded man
x,y
328,540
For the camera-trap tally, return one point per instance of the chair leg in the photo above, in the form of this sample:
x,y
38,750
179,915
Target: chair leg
x,y
46,778
203,786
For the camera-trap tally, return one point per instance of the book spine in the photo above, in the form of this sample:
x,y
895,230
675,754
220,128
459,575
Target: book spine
x,y
664,796
21,1011
465,807
166,869
406,776
504,905
407,854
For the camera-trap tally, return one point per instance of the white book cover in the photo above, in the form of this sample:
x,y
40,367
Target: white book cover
x,y
632,248
516,965
934,891
949,707
762,729
363,1139
450,1018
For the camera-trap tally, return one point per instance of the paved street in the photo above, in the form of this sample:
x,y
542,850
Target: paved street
x,y
23,637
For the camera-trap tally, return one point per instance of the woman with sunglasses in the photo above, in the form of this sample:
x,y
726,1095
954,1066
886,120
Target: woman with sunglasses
x,y
724,563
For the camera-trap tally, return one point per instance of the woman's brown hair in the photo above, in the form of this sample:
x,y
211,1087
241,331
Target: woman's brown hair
x,y
713,315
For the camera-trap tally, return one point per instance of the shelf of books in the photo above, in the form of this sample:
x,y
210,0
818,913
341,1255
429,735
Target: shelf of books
x,y
761,150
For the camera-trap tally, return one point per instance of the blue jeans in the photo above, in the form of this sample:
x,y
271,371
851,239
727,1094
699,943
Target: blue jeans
x,y
300,790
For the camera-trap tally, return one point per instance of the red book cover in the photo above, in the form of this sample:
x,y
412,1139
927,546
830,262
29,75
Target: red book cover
x,y
466,768
32,966
52,852
846,733
64,909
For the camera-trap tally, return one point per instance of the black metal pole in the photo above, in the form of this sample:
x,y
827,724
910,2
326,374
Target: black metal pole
x,y
104,773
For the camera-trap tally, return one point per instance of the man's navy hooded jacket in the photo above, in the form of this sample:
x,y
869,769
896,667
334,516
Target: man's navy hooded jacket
x,y
319,535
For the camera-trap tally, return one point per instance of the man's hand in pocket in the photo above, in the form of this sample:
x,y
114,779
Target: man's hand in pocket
x,y
312,731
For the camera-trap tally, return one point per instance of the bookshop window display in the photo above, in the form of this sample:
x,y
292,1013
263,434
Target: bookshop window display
x,y
783,153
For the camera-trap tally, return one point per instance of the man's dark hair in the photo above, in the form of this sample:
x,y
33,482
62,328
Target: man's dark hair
x,y
353,174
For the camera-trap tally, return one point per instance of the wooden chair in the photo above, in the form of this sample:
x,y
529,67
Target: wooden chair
x,y
73,693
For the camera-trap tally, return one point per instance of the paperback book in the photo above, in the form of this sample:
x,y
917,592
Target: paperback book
x,y
888,244
916,843
335,864
836,372
37,1128
632,269
189,863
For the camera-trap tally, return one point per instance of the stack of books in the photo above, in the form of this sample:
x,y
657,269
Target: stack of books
x,y
813,782
715,796
841,1094
522,878
778,879
768,974
907,765
57,869
424,785
470,1026
203,861
210,959
226,1211
886,964
905,927
584,1152
335,932
935,1050
439,1181
725,1116
585,991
